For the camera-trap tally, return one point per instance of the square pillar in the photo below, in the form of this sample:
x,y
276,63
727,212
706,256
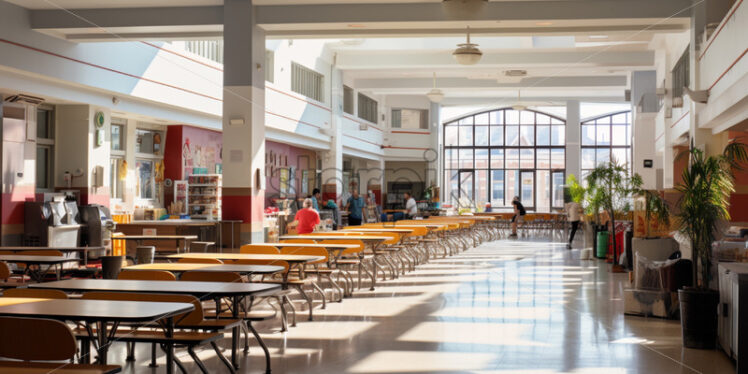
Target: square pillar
x,y
573,139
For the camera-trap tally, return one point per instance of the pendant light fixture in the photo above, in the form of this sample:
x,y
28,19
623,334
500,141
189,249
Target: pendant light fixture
x,y
467,53
435,95
518,105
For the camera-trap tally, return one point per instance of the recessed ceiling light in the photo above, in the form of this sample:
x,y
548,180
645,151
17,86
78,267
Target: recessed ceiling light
x,y
545,23
598,37
355,25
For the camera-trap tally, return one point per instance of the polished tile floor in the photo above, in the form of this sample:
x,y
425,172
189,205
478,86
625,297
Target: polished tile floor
x,y
505,307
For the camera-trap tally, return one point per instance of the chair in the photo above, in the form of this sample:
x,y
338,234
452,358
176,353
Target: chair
x,y
193,321
37,339
244,312
285,282
38,293
351,257
188,260
259,249
4,271
319,268
298,241
154,275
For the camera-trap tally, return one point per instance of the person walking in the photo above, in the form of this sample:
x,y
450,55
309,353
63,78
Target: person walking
x,y
519,215
355,207
574,213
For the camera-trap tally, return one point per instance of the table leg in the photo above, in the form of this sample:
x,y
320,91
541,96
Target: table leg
x,y
170,345
101,331
235,333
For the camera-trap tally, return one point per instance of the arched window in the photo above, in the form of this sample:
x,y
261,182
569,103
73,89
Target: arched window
x,y
490,157
606,138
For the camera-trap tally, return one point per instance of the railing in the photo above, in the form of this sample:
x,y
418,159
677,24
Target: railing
x,y
721,59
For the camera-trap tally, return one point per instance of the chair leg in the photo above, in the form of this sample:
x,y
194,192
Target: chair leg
x,y
223,358
308,299
319,289
262,344
293,310
197,360
130,351
153,356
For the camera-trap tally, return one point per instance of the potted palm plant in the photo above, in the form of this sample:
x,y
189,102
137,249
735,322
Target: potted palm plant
x,y
705,191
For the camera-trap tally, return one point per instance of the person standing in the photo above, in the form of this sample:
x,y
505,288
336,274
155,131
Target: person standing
x,y
411,207
307,218
574,212
519,215
355,209
315,198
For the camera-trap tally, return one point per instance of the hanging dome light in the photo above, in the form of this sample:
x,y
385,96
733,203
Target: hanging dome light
x,y
467,53
518,106
463,9
435,95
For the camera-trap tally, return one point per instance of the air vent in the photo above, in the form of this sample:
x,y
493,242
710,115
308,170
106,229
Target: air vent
x,y
24,99
515,73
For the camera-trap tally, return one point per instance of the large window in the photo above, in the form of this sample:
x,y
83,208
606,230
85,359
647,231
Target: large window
x,y
410,119
145,179
118,174
45,149
605,139
367,108
348,100
491,157
307,82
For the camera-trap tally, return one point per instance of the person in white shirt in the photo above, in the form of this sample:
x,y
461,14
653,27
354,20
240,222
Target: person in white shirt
x,y
574,211
411,207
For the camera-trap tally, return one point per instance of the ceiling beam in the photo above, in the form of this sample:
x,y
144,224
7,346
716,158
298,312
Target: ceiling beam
x,y
383,60
126,17
496,10
465,83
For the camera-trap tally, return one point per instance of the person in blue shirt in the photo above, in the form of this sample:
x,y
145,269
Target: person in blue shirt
x,y
315,199
355,209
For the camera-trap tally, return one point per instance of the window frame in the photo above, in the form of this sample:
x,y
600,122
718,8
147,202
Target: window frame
x,y
608,147
307,82
423,123
368,108
49,144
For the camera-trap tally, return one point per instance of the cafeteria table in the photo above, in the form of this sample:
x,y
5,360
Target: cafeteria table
x,y
178,267
334,249
105,314
201,290
37,274
184,239
84,251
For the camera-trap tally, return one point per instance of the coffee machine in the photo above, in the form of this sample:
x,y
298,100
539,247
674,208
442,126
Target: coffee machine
x,y
99,225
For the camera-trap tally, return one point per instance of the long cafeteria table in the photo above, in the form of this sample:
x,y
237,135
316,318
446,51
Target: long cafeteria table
x,y
201,290
84,251
104,314
179,267
34,264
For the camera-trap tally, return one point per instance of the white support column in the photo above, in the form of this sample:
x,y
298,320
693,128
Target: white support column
x,y
573,139
332,160
433,155
643,91
243,120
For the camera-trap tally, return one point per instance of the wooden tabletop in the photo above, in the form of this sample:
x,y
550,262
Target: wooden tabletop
x,y
93,310
179,267
249,256
311,245
37,259
198,289
333,236
383,229
155,237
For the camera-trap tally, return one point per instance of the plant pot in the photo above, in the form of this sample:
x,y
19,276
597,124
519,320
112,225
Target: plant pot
x,y
601,251
698,317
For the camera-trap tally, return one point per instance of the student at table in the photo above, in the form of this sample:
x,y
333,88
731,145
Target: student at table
x,y
411,207
519,215
355,207
306,218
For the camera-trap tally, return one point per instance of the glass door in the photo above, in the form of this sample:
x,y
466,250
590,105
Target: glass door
x,y
527,188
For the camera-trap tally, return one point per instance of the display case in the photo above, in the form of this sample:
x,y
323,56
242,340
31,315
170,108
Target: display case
x,y
204,196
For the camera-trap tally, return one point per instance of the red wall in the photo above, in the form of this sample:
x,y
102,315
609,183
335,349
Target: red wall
x,y
290,156
189,147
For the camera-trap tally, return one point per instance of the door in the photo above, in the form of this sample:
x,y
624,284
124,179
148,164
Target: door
x,y
527,188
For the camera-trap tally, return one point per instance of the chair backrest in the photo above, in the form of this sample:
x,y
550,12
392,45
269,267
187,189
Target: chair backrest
x,y
36,339
4,271
394,237
156,275
43,252
259,249
38,293
193,317
282,263
211,276
195,260
348,251
299,241
418,231
307,251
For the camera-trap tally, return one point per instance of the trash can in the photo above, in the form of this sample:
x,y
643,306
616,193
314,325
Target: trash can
x,y
144,254
602,244
111,266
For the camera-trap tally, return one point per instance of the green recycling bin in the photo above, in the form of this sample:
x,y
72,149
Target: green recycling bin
x,y
602,244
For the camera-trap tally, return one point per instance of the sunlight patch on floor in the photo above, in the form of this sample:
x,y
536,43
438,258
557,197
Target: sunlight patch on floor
x,y
416,361
504,334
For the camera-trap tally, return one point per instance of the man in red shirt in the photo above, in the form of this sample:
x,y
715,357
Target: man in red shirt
x,y
307,218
